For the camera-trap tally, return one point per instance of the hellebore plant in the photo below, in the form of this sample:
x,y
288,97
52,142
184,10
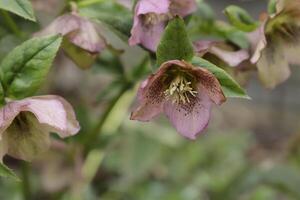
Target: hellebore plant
x,y
277,43
185,93
152,16
25,125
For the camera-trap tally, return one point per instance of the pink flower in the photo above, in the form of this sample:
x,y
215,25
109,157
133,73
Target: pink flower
x,y
221,50
78,30
151,17
276,43
183,92
81,42
25,125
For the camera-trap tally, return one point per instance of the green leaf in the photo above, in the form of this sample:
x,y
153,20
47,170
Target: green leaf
x,y
272,7
22,8
7,173
230,87
175,43
240,18
24,69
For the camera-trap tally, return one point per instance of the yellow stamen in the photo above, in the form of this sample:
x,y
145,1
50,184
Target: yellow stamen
x,y
180,90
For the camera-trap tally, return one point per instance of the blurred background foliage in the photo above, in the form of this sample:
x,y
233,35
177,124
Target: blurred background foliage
x,y
250,151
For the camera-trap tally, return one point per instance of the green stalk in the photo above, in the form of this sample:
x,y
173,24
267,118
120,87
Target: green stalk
x,y
93,136
26,181
11,23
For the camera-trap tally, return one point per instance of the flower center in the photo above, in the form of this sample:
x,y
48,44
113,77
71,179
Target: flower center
x,y
180,90
151,19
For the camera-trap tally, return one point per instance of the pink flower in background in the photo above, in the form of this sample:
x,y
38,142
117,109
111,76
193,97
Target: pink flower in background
x,y
185,93
151,17
25,125
276,43
80,31
221,50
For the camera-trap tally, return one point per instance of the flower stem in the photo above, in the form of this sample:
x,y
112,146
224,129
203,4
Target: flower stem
x,y
11,23
26,181
92,138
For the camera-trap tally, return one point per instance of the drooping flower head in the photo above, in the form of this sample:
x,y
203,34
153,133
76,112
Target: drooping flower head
x,y
183,92
79,32
151,17
25,125
221,50
276,43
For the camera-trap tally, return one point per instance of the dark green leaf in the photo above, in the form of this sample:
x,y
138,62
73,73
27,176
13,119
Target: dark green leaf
x,y
240,18
175,43
24,69
22,8
7,173
230,87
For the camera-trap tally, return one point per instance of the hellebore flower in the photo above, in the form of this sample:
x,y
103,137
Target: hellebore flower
x,y
25,125
276,43
151,17
221,50
79,32
183,92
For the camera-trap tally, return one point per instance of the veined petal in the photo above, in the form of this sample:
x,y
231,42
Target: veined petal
x,y
80,31
151,98
232,58
211,84
55,113
64,24
150,35
87,37
152,6
192,118
8,114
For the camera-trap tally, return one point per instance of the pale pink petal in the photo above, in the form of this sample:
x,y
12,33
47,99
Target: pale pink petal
x,y
8,114
190,119
203,46
80,31
87,37
232,58
64,25
258,42
183,7
152,6
55,113
148,36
